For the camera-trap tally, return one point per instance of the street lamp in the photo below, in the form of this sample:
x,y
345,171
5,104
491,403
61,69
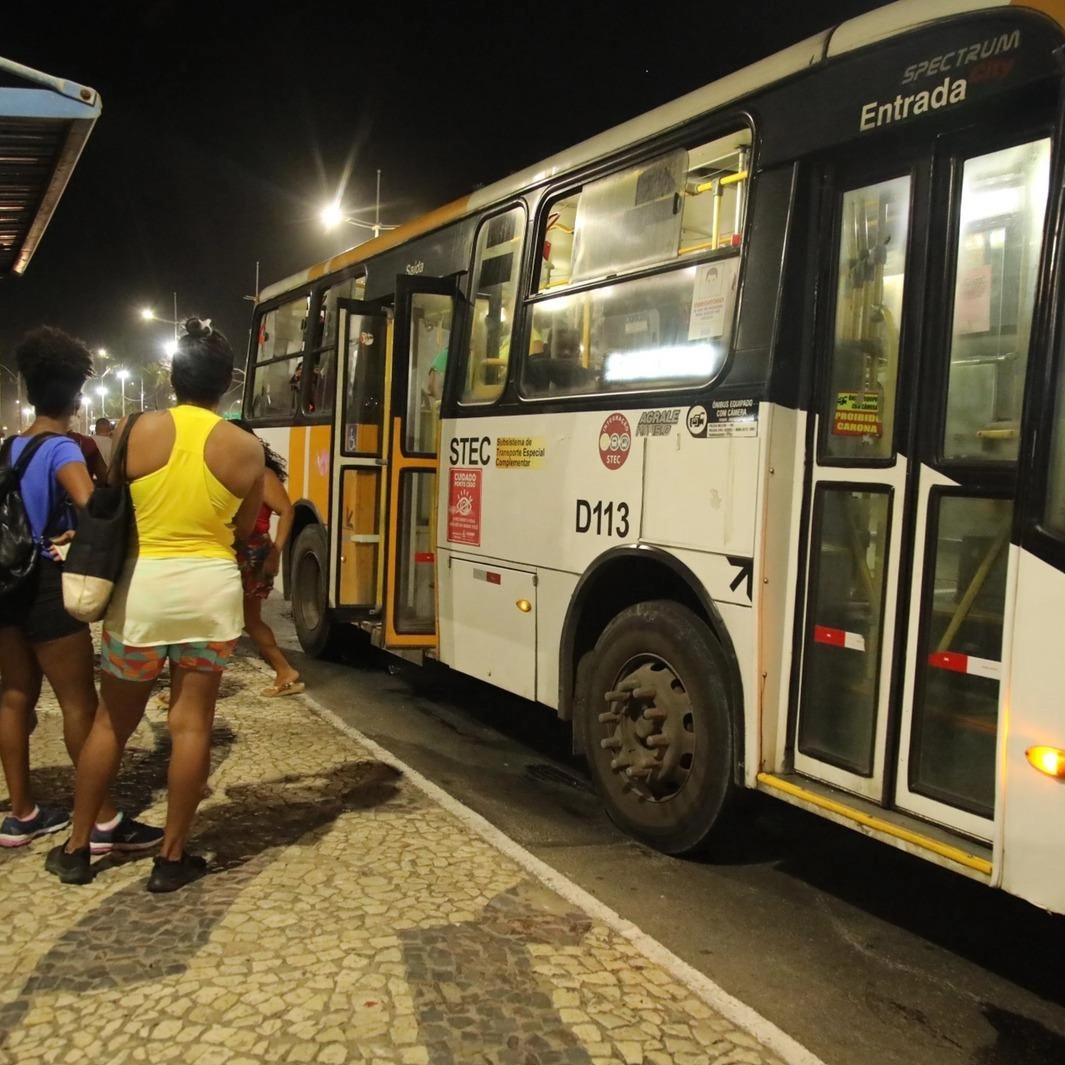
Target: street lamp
x,y
101,391
149,315
333,215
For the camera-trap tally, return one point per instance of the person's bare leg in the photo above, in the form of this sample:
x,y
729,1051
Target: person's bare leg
x,y
68,665
120,710
191,718
20,687
266,642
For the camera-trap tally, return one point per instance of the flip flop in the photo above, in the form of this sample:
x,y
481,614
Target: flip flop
x,y
275,691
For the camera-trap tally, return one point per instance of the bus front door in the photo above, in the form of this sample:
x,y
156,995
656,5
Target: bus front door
x,y
913,478
425,313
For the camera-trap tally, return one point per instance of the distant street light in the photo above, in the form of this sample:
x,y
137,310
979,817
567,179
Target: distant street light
x,y
333,215
101,391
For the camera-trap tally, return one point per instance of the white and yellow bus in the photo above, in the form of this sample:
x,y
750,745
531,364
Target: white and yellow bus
x,y
749,458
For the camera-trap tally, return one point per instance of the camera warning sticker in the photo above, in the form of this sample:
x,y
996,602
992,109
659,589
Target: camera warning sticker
x,y
723,417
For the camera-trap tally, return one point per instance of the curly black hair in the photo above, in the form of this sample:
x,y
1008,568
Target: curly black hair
x,y
273,460
54,366
203,364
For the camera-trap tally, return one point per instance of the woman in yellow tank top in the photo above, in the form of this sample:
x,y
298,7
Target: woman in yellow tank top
x,y
196,483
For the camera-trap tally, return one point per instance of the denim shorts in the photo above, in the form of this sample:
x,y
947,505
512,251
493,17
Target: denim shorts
x,y
127,662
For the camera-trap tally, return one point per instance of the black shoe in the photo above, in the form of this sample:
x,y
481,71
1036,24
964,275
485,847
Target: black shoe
x,y
127,835
170,875
72,867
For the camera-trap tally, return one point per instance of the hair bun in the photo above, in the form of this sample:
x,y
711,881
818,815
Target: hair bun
x,y
198,327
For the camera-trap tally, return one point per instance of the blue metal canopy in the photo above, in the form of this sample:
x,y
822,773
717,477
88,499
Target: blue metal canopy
x,y
44,124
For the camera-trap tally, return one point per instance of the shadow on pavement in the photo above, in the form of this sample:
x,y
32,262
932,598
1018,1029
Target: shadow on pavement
x,y
132,936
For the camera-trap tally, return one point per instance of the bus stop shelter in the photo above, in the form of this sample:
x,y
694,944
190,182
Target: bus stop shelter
x,y
44,124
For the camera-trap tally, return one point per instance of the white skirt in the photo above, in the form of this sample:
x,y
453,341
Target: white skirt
x,y
176,600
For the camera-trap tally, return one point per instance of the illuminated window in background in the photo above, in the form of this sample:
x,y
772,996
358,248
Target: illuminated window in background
x,y
685,202
277,373
497,260
670,330
1003,205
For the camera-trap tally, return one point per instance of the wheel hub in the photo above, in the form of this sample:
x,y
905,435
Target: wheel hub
x,y
650,729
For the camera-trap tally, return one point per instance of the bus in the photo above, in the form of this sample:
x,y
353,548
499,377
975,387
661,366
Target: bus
x,y
735,435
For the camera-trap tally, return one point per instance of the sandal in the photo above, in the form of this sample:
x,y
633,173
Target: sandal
x,y
290,687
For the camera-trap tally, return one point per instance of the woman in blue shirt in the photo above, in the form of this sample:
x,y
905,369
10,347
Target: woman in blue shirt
x,y
38,638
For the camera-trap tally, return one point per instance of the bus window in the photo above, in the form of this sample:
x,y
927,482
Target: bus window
x,y
1003,203
430,336
670,330
687,201
364,405
497,260
324,356
715,194
277,373
860,417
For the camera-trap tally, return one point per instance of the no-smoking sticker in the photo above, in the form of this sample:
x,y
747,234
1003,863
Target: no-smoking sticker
x,y
615,441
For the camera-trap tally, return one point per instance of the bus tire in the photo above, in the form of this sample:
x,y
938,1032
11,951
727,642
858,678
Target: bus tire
x,y
657,730
310,599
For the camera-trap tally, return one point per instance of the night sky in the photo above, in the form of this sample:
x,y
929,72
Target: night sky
x,y
225,126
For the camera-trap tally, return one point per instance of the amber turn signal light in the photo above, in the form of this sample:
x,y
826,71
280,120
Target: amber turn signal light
x,y
1049,760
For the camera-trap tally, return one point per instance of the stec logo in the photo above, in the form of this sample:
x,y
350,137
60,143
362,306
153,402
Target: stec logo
x,y
615,441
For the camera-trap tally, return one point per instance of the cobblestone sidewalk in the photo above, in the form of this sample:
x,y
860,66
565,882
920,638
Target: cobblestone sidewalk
x,y
353,914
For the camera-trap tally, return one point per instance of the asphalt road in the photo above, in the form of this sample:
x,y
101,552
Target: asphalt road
x,y
866,955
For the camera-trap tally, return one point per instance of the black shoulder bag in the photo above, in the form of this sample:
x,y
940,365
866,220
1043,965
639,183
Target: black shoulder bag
x,y
101,542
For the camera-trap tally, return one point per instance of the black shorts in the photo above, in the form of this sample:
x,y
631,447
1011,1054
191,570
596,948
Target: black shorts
x,y
37,606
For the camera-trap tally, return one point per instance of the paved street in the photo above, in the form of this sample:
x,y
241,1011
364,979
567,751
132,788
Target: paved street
x,y
354,913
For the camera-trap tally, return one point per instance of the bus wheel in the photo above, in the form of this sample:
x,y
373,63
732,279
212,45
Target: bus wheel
x,y
310,603
658,735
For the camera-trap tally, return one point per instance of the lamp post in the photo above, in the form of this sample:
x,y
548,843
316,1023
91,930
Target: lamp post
x,y
149,315
101,391
123,376
333,215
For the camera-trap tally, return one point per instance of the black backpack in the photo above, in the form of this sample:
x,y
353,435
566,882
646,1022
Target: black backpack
x,y
18,549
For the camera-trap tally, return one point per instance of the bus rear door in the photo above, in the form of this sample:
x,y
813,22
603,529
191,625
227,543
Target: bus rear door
x,y
425,316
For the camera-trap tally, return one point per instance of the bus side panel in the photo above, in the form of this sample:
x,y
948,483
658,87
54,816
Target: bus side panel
x,y
1033,813
552,490
699,491
553,596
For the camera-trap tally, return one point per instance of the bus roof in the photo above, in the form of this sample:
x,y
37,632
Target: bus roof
x,y
859,32
44,124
